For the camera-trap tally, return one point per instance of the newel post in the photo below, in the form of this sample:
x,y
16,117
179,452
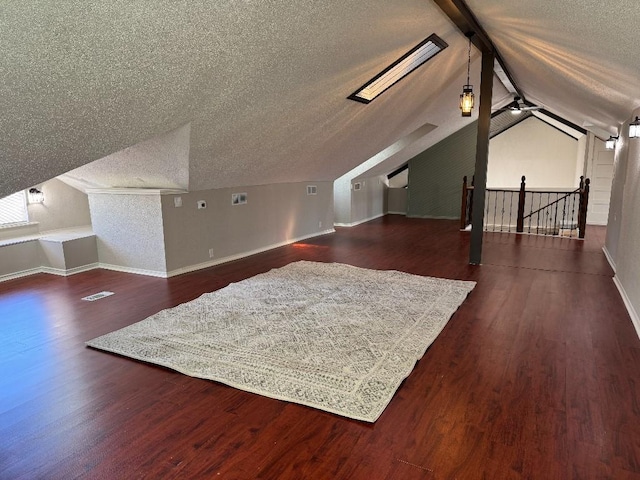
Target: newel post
x,y
521,197
582,211
463,208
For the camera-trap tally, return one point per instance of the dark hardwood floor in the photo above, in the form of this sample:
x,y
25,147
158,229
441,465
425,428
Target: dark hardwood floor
x,y
537,376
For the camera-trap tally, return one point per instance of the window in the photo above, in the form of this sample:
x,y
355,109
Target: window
x,y
13,209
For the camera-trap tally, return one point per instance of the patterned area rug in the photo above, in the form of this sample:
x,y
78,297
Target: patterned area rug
x,y
327,335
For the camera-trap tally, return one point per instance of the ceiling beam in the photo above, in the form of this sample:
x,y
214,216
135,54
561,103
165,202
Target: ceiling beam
x,y
467,23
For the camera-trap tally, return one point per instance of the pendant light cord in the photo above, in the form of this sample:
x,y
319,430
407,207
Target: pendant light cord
x,y
469,61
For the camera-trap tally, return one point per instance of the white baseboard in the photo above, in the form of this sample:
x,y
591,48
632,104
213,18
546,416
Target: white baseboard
x,y
230,258
23,273
137,271
433,217
157,273
50,270
609,258
71,271
635,319
396,213
353,224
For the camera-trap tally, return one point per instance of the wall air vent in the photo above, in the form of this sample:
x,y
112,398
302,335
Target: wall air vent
x,y
238,198
97,296
399,69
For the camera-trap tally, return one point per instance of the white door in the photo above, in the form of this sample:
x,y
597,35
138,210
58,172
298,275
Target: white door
x,y
601,175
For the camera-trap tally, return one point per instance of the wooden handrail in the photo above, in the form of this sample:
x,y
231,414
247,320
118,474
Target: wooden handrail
x,y
577,190
582,191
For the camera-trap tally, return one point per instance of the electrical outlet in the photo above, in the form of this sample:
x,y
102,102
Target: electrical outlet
x,y
320,224
211,253
177,201
202,204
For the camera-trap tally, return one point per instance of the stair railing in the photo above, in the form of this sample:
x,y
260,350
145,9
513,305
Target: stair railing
x,y
549,212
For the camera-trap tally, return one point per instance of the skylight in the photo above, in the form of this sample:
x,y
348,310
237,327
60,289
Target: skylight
x,y
395,72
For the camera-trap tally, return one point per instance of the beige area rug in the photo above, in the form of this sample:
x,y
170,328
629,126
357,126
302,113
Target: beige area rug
x,y
327,335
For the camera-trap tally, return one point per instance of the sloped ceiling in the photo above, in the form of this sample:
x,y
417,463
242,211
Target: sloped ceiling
x,y
577,58
263,84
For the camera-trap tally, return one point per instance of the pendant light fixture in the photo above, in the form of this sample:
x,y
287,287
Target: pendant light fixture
x,y
467,97
634,128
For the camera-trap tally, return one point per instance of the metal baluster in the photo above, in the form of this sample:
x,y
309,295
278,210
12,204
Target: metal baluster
x,y
531,212
486,215
495,212
546,214
502,217
555,216
564,214
538,213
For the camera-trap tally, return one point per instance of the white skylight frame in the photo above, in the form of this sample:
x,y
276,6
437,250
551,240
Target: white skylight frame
x,y
409,62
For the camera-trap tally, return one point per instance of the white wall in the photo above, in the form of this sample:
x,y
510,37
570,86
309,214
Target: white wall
x,y
159,162
599,168
533,149
623,231
63,207
129,231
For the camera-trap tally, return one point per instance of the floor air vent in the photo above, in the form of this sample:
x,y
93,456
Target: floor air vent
x,y
97,296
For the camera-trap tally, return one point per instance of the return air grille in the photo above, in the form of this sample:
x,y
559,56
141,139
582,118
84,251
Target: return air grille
x,y
97,296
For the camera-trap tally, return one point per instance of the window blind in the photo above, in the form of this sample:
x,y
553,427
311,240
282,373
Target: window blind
x,y
13,209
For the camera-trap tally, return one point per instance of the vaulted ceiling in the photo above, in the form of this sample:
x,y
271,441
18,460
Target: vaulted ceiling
x,y
254,92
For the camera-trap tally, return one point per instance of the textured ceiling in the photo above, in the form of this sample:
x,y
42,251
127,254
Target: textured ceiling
x,y
262,85
578,58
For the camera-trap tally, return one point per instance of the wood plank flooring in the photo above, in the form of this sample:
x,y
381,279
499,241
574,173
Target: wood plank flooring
x,y
537,376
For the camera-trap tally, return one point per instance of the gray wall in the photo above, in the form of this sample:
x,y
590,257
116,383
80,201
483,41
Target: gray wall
x,y
352,206
624,222
143,231
435,175
397,200
274,215
68,254
370,201
342,200
19,257
63,207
